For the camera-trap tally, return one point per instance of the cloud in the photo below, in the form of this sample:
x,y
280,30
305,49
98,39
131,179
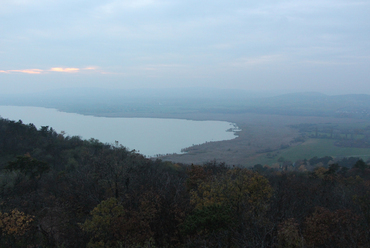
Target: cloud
x,y
27,71
91,68
177,40
60,69
54,69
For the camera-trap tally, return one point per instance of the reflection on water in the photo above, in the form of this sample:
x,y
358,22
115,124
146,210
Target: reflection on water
x,y
149,136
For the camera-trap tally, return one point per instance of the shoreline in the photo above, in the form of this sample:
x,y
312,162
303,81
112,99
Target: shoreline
x,y
262,138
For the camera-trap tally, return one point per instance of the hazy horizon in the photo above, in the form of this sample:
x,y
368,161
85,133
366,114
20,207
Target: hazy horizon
x,y
284,46
163,92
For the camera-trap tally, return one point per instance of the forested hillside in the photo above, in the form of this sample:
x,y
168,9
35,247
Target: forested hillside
x,y
60,191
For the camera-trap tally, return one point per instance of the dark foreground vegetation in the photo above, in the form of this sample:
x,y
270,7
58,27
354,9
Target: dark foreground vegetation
x,y
58,191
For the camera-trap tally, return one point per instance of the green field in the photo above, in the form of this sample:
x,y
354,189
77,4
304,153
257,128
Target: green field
x,y
312,148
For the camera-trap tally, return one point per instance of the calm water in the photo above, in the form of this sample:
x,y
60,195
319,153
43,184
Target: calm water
x,y
149,136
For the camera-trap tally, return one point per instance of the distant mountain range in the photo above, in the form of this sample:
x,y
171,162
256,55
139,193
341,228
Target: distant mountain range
x,y
100,101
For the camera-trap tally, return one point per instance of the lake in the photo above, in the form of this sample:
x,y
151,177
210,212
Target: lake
x,y
148,136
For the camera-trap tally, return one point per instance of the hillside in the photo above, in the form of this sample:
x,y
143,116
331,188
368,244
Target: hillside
x,y
60,191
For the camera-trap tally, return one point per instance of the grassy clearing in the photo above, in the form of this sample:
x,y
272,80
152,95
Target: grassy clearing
x,y
268,132
315,147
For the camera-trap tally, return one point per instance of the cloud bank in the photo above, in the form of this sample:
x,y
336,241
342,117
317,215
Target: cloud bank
x,y
318,45
54,69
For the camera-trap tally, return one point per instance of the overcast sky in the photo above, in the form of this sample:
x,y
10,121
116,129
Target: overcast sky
x,y
297,45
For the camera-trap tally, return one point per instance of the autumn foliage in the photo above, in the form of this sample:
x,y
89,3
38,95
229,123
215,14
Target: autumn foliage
x,y
60,191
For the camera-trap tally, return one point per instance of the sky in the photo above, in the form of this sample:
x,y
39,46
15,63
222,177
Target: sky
x,y
255,45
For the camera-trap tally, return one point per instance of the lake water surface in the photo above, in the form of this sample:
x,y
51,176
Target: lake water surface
x,y
149,136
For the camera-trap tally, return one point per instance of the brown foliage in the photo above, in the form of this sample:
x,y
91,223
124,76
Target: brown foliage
x,y
289,235
196,175
333,229
15,223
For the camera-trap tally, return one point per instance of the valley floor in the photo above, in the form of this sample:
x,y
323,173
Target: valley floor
x,y
263,139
